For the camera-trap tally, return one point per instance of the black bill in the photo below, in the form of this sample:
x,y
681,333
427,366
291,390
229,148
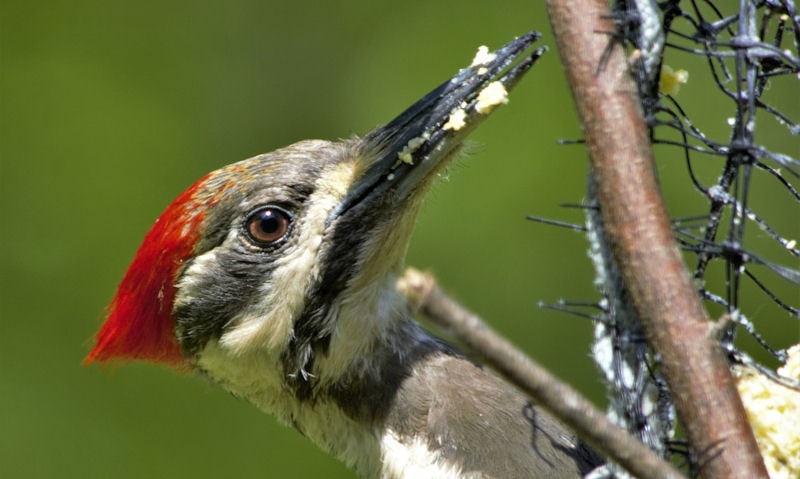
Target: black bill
x,y
419,139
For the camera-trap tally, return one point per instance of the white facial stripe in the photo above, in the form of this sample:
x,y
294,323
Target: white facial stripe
x,y
187,287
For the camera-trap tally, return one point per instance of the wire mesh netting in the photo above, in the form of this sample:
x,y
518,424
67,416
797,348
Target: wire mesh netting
x,y
737,254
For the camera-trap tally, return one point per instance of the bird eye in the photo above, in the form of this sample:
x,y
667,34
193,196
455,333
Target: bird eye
x,y
268,224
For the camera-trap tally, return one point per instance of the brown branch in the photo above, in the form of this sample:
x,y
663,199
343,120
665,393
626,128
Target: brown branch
x,y
638,230
548,392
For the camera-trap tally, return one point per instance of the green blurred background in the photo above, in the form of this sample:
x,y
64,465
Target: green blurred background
x,y
108,110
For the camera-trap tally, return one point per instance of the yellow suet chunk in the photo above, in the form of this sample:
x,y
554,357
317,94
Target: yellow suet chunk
x,y
413,145
483,56
456,121
774,414
670,81
492,95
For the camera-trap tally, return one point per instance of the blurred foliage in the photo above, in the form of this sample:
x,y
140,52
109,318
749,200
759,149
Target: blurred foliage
x,y
109,110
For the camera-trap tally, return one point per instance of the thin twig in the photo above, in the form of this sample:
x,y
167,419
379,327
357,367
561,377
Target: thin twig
x,y
550,393
638,230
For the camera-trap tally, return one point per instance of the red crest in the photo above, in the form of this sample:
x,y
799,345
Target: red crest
x,y
139,324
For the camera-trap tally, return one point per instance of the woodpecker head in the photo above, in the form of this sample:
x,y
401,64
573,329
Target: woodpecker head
x,y
269,255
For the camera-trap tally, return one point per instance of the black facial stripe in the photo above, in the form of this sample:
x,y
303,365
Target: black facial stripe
x,y
341,262
231,280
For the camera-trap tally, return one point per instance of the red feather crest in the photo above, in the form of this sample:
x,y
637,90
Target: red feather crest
x,y
140,324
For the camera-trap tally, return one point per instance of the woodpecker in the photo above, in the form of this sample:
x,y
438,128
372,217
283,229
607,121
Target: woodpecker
x,y
276,277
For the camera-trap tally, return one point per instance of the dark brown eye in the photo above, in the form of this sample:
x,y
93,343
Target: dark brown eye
x,y
268,224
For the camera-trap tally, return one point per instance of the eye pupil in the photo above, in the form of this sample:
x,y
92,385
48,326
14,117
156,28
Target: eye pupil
x,y
268,224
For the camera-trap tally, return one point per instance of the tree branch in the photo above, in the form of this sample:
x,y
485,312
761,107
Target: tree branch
x,y
638,230
568,405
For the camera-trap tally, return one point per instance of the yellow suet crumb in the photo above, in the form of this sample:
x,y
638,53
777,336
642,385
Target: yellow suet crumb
x,y
774,414
406,157
412,146
670,81
493,94
483,57
456,121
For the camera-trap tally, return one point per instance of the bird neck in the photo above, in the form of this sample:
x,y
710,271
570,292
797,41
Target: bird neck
x,y
373,349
